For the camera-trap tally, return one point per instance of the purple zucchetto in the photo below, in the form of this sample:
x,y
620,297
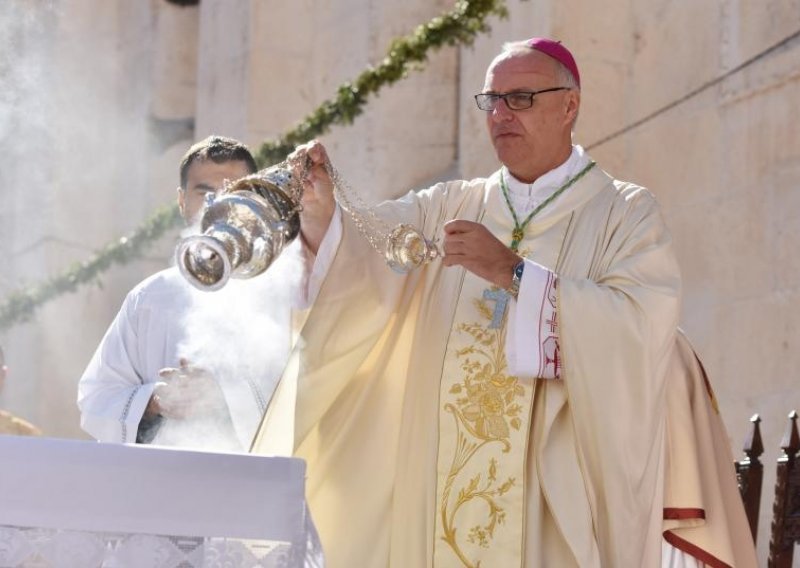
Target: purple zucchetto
x,y
558,52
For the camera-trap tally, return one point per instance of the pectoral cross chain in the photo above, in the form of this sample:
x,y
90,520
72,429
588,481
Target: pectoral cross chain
x,y
501,297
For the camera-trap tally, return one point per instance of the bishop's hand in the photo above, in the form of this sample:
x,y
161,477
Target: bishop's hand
x,y
318,200
474,247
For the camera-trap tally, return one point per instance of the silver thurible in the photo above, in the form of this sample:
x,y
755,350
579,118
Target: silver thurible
x,y
243,229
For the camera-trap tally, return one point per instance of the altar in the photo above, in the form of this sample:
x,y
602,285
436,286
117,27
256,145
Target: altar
x,y
76,504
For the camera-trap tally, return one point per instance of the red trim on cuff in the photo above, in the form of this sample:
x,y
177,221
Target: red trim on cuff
x,y
694,551
672,513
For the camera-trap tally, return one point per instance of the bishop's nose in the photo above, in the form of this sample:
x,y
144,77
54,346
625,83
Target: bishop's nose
x,y
501,112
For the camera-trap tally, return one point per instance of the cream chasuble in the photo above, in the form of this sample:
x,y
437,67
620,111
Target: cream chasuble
x,y
414,434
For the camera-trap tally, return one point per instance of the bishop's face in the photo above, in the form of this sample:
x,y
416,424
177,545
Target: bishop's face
x,y
205,177
530,142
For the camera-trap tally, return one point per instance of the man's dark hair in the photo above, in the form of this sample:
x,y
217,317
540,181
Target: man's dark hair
x,y
218,149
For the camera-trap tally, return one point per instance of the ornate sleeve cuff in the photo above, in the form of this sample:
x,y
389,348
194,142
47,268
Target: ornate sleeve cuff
x,y
532,339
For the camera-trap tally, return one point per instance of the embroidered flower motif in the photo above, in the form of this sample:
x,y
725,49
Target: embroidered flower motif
x,y
485,409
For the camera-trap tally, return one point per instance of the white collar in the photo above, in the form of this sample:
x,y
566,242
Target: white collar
x,y
550,181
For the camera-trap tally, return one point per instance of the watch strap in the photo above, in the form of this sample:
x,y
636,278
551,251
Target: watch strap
x,y
516,279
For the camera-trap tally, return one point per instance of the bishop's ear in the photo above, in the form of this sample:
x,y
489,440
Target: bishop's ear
x,y
572,102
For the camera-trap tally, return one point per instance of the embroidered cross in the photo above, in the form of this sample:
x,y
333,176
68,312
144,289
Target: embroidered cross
x,y
552,356
553,323
500,298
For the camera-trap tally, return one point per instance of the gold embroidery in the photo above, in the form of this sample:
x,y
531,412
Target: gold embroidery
x,y
485,409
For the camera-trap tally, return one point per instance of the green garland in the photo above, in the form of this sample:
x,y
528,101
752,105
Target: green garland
x,y
459,26
20,304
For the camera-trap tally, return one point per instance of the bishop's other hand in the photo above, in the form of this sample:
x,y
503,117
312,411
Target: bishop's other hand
x,y
474,247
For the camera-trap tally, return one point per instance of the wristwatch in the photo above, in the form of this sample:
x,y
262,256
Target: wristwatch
x,y
516,278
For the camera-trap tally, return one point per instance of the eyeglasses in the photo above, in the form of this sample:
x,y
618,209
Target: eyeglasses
x,y
518,100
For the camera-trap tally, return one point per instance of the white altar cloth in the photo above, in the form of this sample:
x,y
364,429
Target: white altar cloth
x,y
132,505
